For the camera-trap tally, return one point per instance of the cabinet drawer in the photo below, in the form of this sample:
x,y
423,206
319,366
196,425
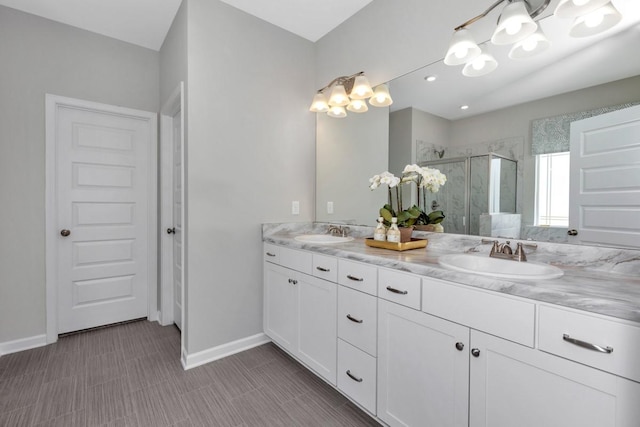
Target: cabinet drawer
x,y
357,375
296,260
325,267
361,277
271,253
504,317
575,336
401,288
357,319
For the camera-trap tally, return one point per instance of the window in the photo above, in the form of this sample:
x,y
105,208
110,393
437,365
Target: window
x,y
552,189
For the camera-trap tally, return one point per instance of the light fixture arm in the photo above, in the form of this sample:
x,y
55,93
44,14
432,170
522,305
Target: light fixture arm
x,y
346,81
533,13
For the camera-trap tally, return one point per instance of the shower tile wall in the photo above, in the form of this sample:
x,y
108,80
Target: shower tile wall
x,y
451,197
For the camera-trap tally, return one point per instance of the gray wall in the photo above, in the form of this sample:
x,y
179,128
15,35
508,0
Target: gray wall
x,y
173,70
250,154
40,56
349,151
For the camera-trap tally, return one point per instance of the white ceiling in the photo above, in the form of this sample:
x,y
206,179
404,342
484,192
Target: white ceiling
x,y
310,19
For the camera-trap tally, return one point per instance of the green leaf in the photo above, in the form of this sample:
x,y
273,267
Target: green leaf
x,y
386,213
436,217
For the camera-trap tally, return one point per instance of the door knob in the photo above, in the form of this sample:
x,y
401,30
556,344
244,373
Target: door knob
x,y
171,230
65,232
572,232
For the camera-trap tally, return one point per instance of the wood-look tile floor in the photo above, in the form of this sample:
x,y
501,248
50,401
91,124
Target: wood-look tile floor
x,y
130,375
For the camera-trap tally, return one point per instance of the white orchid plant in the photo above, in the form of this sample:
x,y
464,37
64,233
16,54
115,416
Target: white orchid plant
x,y
426,180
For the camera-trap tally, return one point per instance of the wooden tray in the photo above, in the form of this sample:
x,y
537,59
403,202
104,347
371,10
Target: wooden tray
x,y
413,244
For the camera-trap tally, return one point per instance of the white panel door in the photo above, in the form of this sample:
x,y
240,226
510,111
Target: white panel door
x,y
177,220
102,201
605,179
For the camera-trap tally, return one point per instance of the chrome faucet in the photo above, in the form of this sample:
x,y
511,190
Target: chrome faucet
x,y
338,230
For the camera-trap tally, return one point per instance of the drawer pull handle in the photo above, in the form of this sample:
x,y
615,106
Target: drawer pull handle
x,y
353,319
396,291
354,278
353,377
324,270
270,254
587,345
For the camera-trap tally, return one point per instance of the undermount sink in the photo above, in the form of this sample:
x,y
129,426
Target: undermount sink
x,y
323,238
499,268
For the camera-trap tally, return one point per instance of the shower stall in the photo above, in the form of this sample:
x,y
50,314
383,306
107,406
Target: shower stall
x,y
478,188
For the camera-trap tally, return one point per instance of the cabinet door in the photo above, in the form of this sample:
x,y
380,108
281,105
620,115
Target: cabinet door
x,y
281,306
423,378
515,385
317,328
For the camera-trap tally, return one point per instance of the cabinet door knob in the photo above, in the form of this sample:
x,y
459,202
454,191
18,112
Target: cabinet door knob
x,y
171,230
65,232
572,232
475,352
459,346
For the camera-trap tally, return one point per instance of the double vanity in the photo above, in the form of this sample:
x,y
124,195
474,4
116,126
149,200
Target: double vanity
x,y
417,342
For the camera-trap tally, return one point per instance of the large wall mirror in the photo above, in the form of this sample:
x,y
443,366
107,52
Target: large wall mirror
x,y
426,125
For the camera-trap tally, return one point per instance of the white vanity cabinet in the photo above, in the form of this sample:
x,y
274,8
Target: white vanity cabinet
x,y
419,351
300,311
512,385
423,368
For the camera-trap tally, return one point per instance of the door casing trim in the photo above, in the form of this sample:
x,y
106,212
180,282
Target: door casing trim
x,y
52,104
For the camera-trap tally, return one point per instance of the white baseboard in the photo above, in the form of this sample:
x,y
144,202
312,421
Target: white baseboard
x,y
22,344
209,355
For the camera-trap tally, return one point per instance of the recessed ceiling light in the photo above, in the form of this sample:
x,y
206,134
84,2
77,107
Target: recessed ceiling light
x,y
464,107
430,78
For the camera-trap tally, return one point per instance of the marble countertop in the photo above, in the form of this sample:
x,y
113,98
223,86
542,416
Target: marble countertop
x,y
597,280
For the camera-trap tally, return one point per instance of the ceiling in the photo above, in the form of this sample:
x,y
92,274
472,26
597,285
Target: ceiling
x,y
582,62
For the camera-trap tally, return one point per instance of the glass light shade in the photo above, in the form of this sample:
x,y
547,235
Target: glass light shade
x,y
319,104
531,46
338,97
381,96
514,25
358,106
480,66
337,112
361,88
598,21
462,48
575,8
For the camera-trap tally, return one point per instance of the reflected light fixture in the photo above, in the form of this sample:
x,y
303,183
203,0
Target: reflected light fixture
x,y
480,65
350,92
516,27
530,46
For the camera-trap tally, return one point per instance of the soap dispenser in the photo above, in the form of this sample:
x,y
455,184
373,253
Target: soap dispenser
x,y
393,234
380,233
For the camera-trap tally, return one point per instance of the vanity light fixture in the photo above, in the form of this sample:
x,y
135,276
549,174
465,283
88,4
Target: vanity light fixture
x,y
516,26
350,92
480,65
